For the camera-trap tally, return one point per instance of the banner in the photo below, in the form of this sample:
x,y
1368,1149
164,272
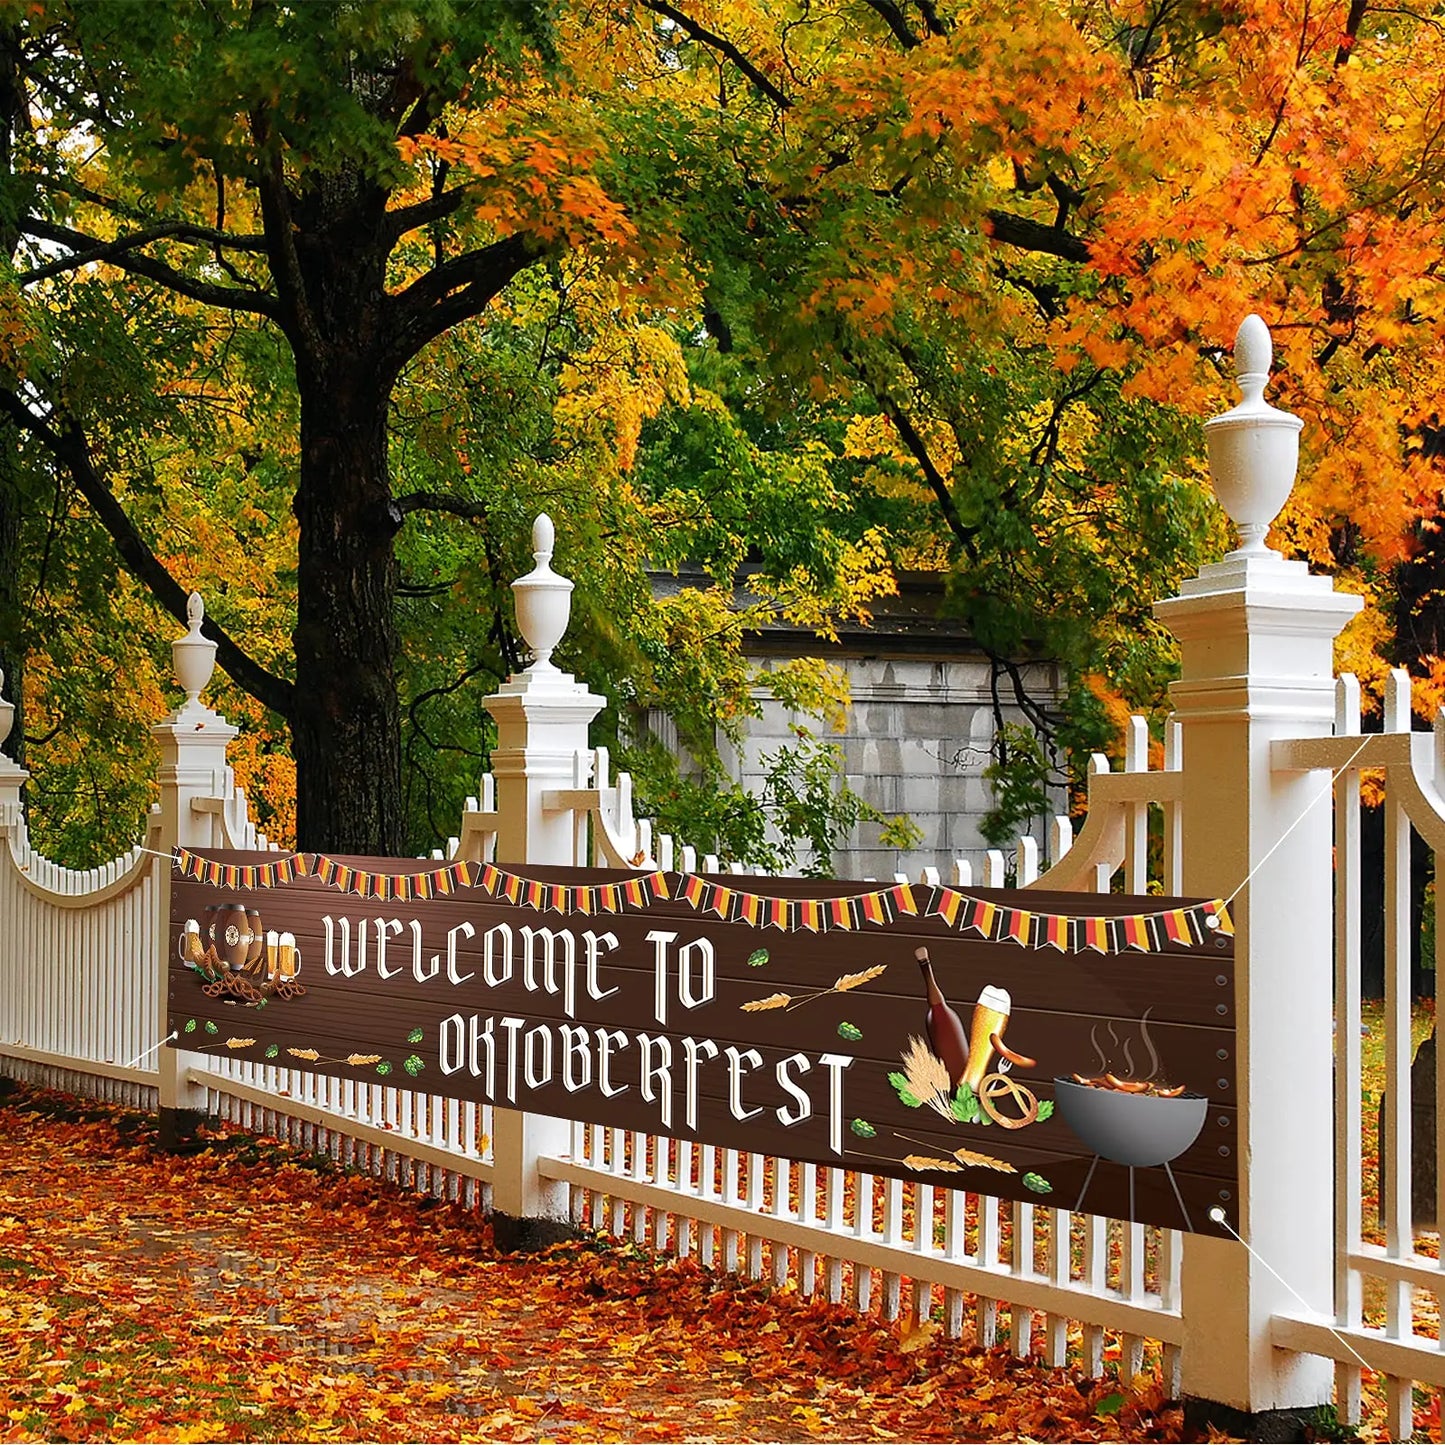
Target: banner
x,y
1073,1050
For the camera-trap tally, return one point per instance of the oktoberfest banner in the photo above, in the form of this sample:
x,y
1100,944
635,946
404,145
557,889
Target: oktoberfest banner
x,y
1026,928
998,1041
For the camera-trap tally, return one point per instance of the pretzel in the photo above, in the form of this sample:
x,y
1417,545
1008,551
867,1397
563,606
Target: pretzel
x,y
996,1086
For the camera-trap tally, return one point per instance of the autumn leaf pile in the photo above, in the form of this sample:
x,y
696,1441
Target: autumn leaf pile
x,y
248,1293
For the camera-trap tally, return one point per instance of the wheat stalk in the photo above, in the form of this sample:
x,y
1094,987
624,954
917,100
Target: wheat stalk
x,y
773,1000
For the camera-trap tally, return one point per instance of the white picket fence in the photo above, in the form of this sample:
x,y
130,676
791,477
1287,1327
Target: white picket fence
x,y
79,1021
1243,799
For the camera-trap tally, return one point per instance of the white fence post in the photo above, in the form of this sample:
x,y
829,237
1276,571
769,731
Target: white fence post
x,y
192,742
1257,634
12,775
542,718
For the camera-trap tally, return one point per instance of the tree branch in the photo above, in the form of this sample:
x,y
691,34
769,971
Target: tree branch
x,y
892,17
123,254
294,314
435,208
466,507
724,47
69,446
454,292
1030,235
110,250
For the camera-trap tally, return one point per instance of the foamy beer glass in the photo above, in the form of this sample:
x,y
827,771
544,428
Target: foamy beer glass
x,y
990,1016
192,949
288,959
272,942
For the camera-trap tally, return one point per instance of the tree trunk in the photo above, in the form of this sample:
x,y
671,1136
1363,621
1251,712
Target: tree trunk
x,y
12,613
346,726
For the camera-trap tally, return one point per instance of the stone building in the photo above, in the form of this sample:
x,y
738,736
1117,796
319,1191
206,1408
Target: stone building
x,y
926,702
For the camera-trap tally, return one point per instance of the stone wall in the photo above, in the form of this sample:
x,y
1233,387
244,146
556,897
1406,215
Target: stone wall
x,y
917,741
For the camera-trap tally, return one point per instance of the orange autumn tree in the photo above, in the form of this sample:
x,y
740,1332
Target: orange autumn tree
x,y
970,271
1023,237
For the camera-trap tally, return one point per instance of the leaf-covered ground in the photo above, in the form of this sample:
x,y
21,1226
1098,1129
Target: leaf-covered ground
x,y
244,1294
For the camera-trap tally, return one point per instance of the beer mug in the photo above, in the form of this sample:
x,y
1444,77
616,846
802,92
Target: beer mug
x,y
990,1016
189,944
288,957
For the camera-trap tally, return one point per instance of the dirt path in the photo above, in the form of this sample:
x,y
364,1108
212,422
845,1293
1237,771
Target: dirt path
x,y
245,1294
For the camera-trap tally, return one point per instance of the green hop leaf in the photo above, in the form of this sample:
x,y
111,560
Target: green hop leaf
x,y
863,1129
900,1083
416,1036
414,1065
851,1032
383,1068
212,1028
1110,1404
190,1026
1038,1184
272,1050
963,1106
1046,1109
757,958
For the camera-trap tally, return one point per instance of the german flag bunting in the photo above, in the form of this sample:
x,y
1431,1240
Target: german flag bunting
x,y
1187,927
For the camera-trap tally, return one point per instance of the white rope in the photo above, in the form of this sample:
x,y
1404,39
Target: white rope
x,y
1304,813
1217,1215
172,1035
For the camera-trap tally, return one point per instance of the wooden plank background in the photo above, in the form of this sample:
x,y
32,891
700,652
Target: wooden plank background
x,y
1073,1013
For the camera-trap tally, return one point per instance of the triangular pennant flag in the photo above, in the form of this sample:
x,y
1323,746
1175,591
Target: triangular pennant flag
x,y
946,904
981,916
1055,932
1017,924
1216,917
1093,934
1176,926
1135,929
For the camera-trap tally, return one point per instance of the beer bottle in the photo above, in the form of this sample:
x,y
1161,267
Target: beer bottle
x,y
946,1035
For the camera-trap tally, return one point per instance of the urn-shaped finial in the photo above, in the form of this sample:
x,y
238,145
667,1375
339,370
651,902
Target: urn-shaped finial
x,y
1254,447
193,657
544,600
7,713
